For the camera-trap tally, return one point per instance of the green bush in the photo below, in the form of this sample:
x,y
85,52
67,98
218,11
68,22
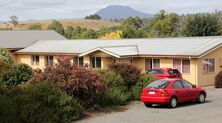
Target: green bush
x,y
17,74
137,88
40,103
5,56
35,27
129,72
113,96
112,79
4,67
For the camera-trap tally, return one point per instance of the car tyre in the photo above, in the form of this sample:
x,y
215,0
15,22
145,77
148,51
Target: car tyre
x,y
173,102
148,105
201,98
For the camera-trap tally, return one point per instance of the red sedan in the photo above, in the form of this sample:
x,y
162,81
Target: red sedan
x,y
162,73
172,92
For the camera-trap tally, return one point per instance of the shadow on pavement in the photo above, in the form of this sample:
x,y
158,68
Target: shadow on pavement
x,y
181,105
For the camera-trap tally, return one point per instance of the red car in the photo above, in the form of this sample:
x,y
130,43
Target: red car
x,y
172,92
162,73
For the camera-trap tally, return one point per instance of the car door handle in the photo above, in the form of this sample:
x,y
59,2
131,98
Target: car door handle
x,y
176,91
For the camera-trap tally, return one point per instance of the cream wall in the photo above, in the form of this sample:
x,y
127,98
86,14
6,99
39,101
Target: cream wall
x,y
137,61
27,59
168,63
204,78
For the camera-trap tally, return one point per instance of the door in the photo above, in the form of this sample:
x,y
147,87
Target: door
x,y
190,91
180,91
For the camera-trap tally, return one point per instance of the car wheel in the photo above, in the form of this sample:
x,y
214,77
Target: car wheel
x,y
173,102
148,104
201,98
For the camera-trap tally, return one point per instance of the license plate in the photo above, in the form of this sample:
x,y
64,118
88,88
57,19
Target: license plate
x,y
151,92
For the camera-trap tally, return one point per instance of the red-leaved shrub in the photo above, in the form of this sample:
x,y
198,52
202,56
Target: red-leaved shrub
x,y
129,72
218,80
83,84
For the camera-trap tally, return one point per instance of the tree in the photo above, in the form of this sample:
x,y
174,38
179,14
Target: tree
x,y
14,20
5,56
69,32
163,25
56,26
35,27
93,17
16,75
202,24
131,26
113,35
80,33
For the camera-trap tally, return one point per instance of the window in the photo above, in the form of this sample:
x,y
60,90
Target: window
x,y
183,65
80,61
35,60
95,62
209,65
177,84
173,71
158,84
155,72
48,60
186,84
152,63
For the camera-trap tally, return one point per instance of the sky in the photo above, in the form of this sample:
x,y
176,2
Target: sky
x,y
63,9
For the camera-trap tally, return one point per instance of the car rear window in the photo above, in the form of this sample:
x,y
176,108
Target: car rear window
x,y
155,72
158,84
173,71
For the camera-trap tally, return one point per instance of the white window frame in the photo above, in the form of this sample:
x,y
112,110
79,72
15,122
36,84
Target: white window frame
x,y
153,62
181,66
78,61
34,60
208,65
47,59
96,62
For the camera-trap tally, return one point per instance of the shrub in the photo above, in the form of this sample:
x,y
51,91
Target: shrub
x,y
112,79
17,74
42,103
137,88
5,56
4,67
113,96
130,73
218,80
83,84
35,27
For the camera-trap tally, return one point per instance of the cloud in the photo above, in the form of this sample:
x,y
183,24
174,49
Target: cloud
x,y
59,9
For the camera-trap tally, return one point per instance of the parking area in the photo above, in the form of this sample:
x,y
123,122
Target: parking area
x,y
136,112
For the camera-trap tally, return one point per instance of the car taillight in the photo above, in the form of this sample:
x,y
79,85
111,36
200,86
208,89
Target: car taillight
x,y
144,92
162,93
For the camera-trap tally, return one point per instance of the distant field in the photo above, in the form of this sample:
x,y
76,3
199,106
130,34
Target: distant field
x,y
90,24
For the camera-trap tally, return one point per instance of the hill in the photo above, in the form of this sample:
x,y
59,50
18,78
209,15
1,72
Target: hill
x,y
90,24
118,11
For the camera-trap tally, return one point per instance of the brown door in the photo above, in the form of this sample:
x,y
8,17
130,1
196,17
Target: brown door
x,y
148,64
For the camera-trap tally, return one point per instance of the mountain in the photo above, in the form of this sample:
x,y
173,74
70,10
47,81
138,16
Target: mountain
x,y
118,11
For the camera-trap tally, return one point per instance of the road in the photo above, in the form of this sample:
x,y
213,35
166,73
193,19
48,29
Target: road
x,y
136,112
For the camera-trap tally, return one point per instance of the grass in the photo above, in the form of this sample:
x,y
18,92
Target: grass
x,y
89,24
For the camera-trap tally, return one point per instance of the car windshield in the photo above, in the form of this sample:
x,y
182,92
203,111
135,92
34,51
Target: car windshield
x,y
155,72
158,84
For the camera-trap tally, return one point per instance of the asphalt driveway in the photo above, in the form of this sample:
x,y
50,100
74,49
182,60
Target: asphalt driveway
x,y
136,112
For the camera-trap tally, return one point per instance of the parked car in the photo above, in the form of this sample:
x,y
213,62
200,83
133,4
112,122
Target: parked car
x,y
162,73
172,92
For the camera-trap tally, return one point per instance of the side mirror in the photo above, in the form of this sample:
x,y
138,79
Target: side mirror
x,y
194,86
